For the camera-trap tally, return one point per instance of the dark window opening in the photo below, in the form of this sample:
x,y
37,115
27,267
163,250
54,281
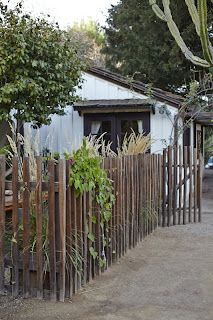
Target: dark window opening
x,y
116,125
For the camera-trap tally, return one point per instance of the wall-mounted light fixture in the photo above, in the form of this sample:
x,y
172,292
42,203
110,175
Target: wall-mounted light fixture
x,y
164,109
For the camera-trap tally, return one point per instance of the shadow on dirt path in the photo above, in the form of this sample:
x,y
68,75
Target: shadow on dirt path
x,y
169,276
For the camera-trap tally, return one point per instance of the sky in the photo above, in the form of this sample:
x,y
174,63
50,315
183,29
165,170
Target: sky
x,y
66,12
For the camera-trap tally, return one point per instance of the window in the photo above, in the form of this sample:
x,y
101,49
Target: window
x,y
116,124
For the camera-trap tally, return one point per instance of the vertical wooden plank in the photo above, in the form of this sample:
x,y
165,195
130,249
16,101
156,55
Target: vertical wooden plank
x,y
116,183
57,224
164,188
143,190
26,226
175,187
79,238
97,239
51,210
68,234
2,221
156,191
146,197
127,193
109,243
195,184
190,184
132,201
185,164
200,176
169,212
39,241
15,228
118,191
149,223
89,242
159,190
123,205
140,185
180,184
84,231
137,195
114,212
62,216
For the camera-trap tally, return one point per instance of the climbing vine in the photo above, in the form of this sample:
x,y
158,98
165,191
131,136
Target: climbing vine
x,y
87,175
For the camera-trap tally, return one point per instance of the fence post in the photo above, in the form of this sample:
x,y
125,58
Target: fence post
x,y
39,241
175,187
180,184
169,186
200,188
164,189
195,184
159,189
51,209
2,221
26,223
185,183
62,218
15,227
190,183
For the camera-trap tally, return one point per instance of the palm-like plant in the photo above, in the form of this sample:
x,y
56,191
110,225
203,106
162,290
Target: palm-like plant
x,y
198,14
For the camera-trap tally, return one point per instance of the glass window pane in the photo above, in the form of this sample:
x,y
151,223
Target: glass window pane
x,y
95,127
135,126
106,126
140,126
125,126
107,137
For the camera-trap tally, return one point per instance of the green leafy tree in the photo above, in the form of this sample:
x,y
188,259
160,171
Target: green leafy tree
x,y
39,67
137,41
90,39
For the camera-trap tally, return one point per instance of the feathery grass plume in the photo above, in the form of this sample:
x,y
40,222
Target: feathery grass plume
x,y
30,148
134,144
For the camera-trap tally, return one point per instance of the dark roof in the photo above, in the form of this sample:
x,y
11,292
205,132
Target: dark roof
x,y
204,118
137,86
115,104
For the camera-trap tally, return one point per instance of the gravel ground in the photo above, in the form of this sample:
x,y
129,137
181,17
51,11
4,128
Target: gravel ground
x,y
169,276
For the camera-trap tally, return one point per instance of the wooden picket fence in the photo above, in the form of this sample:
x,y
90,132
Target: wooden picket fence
x,y
151,190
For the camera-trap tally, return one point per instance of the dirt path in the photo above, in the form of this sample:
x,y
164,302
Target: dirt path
x,y
167,277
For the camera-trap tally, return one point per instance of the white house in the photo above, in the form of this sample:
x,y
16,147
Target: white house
x,y
113,104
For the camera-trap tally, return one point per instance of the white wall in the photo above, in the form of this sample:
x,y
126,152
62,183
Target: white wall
x,y
64,129
162,128
94,88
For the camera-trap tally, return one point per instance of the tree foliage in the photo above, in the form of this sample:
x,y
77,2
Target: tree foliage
x,y
137,41
39,67
90,40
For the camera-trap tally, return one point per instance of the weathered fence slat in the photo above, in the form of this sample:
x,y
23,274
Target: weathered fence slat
x,y
52,247
190,184
62,217
26,230
15,228
164,188
68,234
185,183
169,209
195,184
180,184
2,221
200,188
39,231
174,187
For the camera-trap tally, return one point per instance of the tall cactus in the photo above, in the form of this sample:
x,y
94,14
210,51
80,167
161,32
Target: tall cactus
x,y
199,17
